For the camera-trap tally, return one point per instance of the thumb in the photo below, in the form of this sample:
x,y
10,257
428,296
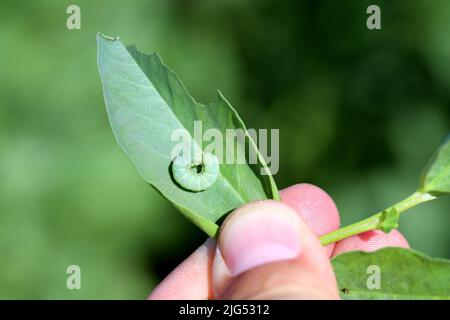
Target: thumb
x,y
266,251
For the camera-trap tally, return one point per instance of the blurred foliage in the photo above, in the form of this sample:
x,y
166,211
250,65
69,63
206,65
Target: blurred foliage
x,y
359,114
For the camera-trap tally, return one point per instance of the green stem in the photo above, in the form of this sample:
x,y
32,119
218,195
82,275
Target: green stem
x,y
373,222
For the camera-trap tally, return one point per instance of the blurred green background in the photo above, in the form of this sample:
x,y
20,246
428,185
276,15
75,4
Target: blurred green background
x,y
359,114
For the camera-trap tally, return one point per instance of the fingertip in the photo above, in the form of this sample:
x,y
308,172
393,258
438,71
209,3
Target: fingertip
x,y
265,232
315,207
258,233
370,241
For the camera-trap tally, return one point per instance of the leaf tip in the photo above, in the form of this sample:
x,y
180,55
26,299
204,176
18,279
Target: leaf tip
x,y
435,178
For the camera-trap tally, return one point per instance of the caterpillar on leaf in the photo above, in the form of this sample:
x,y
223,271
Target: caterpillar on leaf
x,y
193,175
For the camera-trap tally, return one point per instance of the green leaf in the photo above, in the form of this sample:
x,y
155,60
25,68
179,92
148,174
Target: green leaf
x,y
436,178
403,274
146,102
389,220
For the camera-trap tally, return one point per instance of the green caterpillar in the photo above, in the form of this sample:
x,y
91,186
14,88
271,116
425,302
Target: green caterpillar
x,y
193,175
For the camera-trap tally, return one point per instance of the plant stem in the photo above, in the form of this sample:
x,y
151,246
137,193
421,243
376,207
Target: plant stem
x,y
373,222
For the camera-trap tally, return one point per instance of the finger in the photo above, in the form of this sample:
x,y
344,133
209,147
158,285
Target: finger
x,y
315,206
259,234
371,241
191,279
279,281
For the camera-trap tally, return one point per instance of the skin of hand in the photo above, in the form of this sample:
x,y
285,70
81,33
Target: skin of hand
x,y
270,250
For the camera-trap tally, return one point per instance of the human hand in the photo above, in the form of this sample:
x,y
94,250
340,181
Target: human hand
x,y
270,250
